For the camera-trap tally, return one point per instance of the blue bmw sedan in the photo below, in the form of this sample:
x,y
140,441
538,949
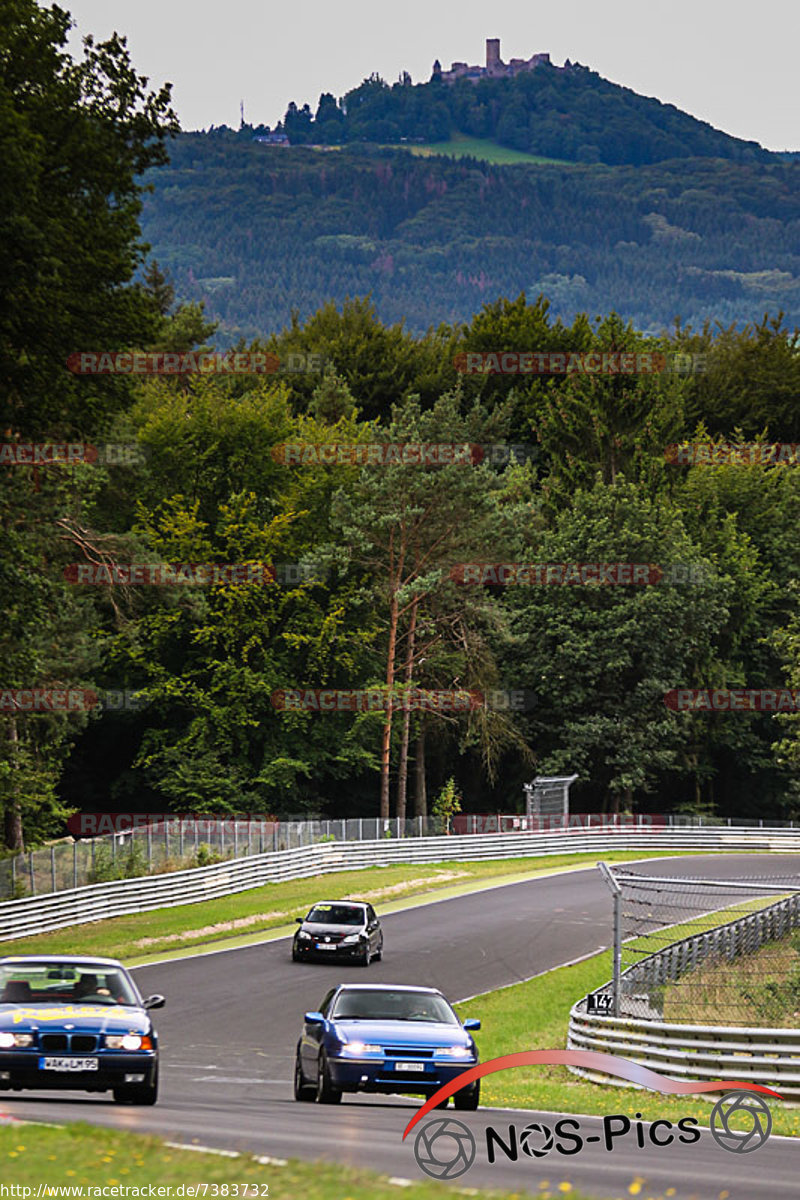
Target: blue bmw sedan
x,y
383,1038
76,1023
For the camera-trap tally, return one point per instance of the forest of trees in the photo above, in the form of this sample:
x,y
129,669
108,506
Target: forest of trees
x,y
571,114
375,600
259,232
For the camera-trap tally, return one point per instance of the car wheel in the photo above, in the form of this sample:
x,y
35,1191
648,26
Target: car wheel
x,y
364,960
295,955
326,1092
379,953
468,1098
137,1093
302,1090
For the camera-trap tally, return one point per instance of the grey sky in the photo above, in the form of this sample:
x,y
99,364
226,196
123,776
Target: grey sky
x,y
729,62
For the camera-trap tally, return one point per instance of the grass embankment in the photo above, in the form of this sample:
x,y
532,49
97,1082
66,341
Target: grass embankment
x,y
245,916
87,1156
535,1016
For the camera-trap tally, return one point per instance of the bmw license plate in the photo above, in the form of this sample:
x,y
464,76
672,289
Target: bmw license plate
x,y
323,946
409,1066
68,1064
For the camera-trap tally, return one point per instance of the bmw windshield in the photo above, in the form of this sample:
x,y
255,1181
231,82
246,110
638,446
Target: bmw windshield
x,y
31,982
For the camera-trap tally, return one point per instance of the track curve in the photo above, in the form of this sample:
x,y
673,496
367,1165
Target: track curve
x,y
232,1020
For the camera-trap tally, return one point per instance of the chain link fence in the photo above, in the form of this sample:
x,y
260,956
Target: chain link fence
x,y
180,843
708,952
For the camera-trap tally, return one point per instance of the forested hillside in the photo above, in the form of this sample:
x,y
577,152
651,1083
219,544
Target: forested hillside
x,y
258,232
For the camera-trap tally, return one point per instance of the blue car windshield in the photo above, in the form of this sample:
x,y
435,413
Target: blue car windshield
x,y
27,982
336,914
379,1005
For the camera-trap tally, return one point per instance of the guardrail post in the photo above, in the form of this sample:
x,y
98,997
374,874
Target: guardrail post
x,y
52,868
30,872
617,945
235,838
149,848
74,864
13,875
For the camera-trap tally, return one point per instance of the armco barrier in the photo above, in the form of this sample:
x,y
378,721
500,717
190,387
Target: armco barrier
x,y
38,914
703,1052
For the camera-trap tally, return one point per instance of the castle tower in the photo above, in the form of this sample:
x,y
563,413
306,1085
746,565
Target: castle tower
x,y
492,54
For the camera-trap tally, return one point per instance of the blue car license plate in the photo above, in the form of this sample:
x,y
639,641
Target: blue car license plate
x,y
68,1064
409,1066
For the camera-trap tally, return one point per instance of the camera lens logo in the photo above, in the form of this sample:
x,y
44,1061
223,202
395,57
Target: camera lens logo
x,y
533,1134
444,1149
741,1122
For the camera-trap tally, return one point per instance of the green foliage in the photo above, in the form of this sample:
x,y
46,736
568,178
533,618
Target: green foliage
x,y
204,856
447,804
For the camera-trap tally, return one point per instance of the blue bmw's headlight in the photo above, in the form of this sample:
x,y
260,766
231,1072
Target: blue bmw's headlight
x,y
455,1051
14,1041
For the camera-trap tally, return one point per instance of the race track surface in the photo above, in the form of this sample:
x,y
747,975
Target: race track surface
x,y
232,1020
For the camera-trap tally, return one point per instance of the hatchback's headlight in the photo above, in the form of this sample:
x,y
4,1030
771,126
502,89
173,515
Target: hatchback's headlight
x,y
127,1041
455,1051
305,936
352,937
356,1049
15,1041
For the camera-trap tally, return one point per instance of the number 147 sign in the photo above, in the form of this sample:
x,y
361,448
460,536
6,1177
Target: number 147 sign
x,y
599,1002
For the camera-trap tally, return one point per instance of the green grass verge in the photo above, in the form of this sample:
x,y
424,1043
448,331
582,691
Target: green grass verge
x,y
535,1016
246,916
82,1155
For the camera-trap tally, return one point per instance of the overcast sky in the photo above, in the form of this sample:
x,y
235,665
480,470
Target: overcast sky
x,y
733,63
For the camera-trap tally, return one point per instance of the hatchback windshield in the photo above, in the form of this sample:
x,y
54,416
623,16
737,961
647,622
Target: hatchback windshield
x,y
24,982
366,1005
336,914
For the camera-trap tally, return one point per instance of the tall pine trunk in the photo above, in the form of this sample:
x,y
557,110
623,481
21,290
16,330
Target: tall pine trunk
x,y
402,780
386,741
420,790
12,817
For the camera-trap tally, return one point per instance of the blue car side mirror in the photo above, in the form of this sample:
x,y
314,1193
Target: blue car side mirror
x,y
472,1023
314,1018
154,1002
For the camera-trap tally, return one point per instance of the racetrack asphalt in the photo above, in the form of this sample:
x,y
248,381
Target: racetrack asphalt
x,y
232,1020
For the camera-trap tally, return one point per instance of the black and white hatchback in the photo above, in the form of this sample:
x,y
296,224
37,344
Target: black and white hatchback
x,y
339,930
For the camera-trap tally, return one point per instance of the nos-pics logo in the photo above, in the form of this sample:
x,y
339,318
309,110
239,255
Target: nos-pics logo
x,y
446,1148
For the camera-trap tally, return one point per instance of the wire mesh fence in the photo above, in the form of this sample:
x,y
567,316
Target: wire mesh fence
x,y
180,843
709,952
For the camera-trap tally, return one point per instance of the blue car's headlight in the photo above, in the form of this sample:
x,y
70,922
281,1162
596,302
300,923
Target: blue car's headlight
x,y
127,1041
352,937
455,1051
13,1041
356,1049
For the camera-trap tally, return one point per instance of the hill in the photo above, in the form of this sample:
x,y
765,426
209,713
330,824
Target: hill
x,y
258,232
568,112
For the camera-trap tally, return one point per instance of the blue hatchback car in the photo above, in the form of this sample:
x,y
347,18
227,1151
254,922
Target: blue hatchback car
x,y
76,1023
384,1038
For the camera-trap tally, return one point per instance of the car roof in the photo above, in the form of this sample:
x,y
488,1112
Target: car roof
x,y
77,959
341,903
387,987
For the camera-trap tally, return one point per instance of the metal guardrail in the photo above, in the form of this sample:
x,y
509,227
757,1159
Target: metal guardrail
x,y
704,1052
39,914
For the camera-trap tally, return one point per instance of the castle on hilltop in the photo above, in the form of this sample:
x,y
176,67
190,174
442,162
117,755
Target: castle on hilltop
x,y
495,67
